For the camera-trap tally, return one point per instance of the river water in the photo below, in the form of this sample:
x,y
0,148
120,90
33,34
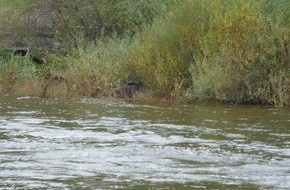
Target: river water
x,y
113,144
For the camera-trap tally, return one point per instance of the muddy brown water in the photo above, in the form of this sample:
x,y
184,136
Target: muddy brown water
x,y
114,144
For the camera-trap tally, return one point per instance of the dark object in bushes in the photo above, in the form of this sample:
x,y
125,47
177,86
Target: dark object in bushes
x,y
36,59
21,52
96,92
128,90
33,58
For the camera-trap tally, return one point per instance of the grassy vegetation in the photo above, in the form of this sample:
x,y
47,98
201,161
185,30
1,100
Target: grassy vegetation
x,y
18,4
231,51
11,8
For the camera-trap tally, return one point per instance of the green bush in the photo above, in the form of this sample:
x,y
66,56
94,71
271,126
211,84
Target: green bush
x,y
79,22
222,50
250,53
14,71
233,51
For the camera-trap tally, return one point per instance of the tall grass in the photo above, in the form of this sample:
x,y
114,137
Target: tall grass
x,y
232,51
14,72
98,67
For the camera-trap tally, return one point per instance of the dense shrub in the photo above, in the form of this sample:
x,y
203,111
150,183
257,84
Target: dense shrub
x,y
234,51
222,50
79,22
15,71
244,55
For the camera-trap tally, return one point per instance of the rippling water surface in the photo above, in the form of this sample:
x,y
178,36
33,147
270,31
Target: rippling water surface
x,y
111,144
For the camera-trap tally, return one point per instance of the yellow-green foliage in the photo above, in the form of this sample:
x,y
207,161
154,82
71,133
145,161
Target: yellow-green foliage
x,y
219,50
14,71
210,50
244,55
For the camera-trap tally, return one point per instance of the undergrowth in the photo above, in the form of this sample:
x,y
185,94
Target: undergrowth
x,y
229,51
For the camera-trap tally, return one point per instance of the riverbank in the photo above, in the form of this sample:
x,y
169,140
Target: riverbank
x,y
239,55
66,89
